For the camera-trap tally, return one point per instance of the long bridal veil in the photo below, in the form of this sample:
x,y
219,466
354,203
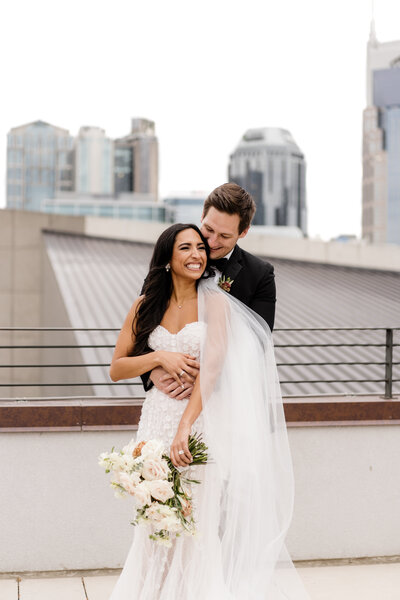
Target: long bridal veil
x,y
248,490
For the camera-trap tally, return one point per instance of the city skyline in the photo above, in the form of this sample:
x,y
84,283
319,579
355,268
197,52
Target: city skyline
x,y
204,78
50,170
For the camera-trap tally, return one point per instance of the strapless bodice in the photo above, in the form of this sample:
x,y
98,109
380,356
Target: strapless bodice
x,y
187,340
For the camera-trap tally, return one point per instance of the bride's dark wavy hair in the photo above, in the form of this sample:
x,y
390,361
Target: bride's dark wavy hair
x,y
157,287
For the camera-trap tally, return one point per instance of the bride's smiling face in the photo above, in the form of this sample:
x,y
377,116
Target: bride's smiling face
x,y
189,257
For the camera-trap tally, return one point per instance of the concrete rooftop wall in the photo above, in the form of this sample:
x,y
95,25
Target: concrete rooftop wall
x,y
57,510
350,254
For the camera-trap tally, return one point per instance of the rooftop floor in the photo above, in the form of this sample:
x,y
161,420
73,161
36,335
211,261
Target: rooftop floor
x,y
344,582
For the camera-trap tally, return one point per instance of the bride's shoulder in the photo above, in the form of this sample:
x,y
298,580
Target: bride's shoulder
x,y
135,307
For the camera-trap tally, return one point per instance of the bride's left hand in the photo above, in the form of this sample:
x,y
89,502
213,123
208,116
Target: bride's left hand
x,y
181,443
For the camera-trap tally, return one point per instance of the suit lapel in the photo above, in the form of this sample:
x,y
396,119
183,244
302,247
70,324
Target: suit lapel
x,y
233,267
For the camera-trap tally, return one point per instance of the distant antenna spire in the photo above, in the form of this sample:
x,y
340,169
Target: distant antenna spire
x,y
372,33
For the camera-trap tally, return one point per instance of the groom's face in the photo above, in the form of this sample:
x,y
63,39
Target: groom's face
x,y
221,231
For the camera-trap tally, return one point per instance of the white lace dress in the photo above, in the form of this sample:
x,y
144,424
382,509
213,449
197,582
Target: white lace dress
x,y
153,572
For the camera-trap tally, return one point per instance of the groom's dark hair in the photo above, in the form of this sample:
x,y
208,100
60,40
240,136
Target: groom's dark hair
x,y
234,200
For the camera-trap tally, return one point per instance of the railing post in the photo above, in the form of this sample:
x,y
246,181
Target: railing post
x,y
389,364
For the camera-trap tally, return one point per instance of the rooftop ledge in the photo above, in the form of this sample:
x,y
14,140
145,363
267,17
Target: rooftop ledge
x,y
96,414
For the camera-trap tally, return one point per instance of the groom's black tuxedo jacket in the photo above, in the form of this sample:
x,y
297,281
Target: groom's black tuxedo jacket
x,y
253,283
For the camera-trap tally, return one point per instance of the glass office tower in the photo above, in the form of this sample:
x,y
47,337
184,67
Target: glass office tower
x,y
39,163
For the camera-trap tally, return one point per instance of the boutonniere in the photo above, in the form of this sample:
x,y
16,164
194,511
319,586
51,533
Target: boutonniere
x,y
225,283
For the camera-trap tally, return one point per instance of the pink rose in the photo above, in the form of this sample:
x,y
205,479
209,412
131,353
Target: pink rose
x,y
186,506
156,512
153,449
155,468
141,495
129,482
160,490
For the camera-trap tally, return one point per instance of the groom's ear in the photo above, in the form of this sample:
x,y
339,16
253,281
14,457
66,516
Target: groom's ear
x,y
244,233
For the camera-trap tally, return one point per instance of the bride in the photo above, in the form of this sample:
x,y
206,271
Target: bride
x,y
243,506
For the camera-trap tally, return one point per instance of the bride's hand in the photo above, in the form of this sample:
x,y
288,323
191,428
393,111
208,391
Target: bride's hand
x,y
176,363
180,443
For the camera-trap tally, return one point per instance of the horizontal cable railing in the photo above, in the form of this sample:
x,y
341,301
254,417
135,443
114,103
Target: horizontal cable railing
x,y
386,361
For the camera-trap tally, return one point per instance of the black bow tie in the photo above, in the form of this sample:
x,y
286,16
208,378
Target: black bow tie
x,y
219,263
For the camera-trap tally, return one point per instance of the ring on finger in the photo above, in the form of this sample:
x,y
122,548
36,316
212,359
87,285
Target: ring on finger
x,y
181,452
181,373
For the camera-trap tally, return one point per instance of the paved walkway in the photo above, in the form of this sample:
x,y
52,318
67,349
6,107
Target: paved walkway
x,y
350,582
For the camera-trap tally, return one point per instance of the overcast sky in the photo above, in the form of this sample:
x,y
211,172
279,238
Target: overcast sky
x,y
204,72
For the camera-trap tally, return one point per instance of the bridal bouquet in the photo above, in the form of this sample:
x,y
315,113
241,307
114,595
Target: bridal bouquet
x,y
161,492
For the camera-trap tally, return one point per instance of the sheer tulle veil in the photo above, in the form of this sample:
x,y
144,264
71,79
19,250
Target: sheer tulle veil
x,y
248,490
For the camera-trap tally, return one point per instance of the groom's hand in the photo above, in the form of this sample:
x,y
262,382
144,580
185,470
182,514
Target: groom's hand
x,y
168,385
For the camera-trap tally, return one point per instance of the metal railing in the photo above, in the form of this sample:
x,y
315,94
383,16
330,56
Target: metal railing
x,y
387,344
388,363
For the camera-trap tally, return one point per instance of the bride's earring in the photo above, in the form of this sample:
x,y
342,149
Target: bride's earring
x,y
167,267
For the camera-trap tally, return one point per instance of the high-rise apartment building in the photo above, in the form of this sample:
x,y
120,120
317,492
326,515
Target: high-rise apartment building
x,y
271,167
381,143
39,163
94,162
136,159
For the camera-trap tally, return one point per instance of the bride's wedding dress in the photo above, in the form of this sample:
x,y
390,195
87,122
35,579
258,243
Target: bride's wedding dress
x,y
243,505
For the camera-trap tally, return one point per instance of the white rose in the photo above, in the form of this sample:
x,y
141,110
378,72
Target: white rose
x,y
154,513
160,490
128,462
141,495
104,460
157,512
155,468
169,520
153,448
166,511
171,524
117,461
129,482
129,448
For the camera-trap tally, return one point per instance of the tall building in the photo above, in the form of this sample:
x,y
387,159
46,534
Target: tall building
x,y
94,162
381,143
136,159
271,167
39,163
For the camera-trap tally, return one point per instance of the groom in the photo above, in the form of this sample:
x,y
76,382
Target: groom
x,y
227,215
